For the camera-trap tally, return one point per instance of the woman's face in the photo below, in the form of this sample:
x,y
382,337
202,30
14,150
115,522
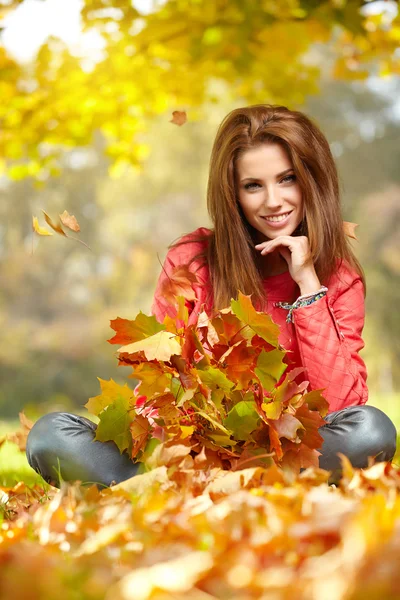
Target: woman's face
x,y
267,186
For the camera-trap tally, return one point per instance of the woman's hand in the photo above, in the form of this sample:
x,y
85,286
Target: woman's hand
x,y
295,251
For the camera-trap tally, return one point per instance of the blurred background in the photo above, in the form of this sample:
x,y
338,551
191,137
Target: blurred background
x,y
88,88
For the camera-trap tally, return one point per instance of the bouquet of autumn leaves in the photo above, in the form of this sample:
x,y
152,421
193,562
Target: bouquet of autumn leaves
x,y
217,393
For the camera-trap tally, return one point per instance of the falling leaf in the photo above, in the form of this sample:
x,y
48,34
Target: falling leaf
x,y
56,226
38,229
349,229
69,221
178,117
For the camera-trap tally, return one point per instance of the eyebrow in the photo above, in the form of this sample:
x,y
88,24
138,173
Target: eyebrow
x,y
278,175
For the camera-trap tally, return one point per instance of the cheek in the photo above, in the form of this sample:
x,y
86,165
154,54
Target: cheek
x,y
248,203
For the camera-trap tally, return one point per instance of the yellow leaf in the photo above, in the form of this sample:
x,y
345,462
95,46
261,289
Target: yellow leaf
x,y
38,229
160,346
56,226
110,392
177,575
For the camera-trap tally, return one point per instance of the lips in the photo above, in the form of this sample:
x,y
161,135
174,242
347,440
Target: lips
x,y
286,216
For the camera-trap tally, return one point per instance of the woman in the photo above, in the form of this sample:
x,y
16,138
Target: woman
x,y
273,197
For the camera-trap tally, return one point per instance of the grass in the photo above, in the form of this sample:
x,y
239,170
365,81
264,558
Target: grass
x,y
14,466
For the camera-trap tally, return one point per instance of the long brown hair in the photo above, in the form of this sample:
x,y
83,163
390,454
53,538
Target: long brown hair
x,y
233,262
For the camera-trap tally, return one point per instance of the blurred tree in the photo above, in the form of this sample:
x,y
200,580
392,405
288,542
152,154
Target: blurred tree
x,y
175,57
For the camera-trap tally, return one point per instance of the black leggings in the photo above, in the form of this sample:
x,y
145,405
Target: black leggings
x,y
64,441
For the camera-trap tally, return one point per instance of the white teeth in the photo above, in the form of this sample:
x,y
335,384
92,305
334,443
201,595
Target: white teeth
x,y
277,219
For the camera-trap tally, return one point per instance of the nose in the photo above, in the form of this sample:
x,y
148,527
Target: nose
x,y
272,199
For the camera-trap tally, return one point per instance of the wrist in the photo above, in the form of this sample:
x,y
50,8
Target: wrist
x,y
310,286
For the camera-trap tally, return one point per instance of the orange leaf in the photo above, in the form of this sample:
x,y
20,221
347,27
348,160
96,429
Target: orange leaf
x,y
179,117
179,283
312,420
128,331
275,443
19,437
69,221
56,226
349,229
287,426
140,430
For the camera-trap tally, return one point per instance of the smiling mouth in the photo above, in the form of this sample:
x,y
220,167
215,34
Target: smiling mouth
x,y
277,219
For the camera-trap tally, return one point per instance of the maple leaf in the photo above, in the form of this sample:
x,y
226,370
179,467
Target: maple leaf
x,y
140,431
238,361
316,401
312,421
38,229
270,368
243,418
160,346
193,350
179,283
69,221
275,443
287,426
110,392
179,117
226,325
215,379
115,422
260,323
19,437
153,378
141,327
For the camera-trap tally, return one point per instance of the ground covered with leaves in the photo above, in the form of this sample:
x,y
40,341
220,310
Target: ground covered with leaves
x,y
176,533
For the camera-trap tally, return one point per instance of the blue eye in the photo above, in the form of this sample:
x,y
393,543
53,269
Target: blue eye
x,y
287,179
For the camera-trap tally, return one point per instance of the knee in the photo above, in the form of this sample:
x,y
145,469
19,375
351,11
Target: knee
x,y
376,432
40,439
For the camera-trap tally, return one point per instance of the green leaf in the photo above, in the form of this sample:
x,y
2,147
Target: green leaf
x,y
114,424
260,323
242,419
215,379
270,368
110,392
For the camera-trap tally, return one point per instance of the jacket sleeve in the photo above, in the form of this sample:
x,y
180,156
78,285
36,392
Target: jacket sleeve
x,y
329,338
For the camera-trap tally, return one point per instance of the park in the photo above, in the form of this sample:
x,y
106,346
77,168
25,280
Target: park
x,y
117,122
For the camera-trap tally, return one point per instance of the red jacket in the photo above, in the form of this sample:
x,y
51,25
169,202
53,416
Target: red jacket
x,y
325,337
